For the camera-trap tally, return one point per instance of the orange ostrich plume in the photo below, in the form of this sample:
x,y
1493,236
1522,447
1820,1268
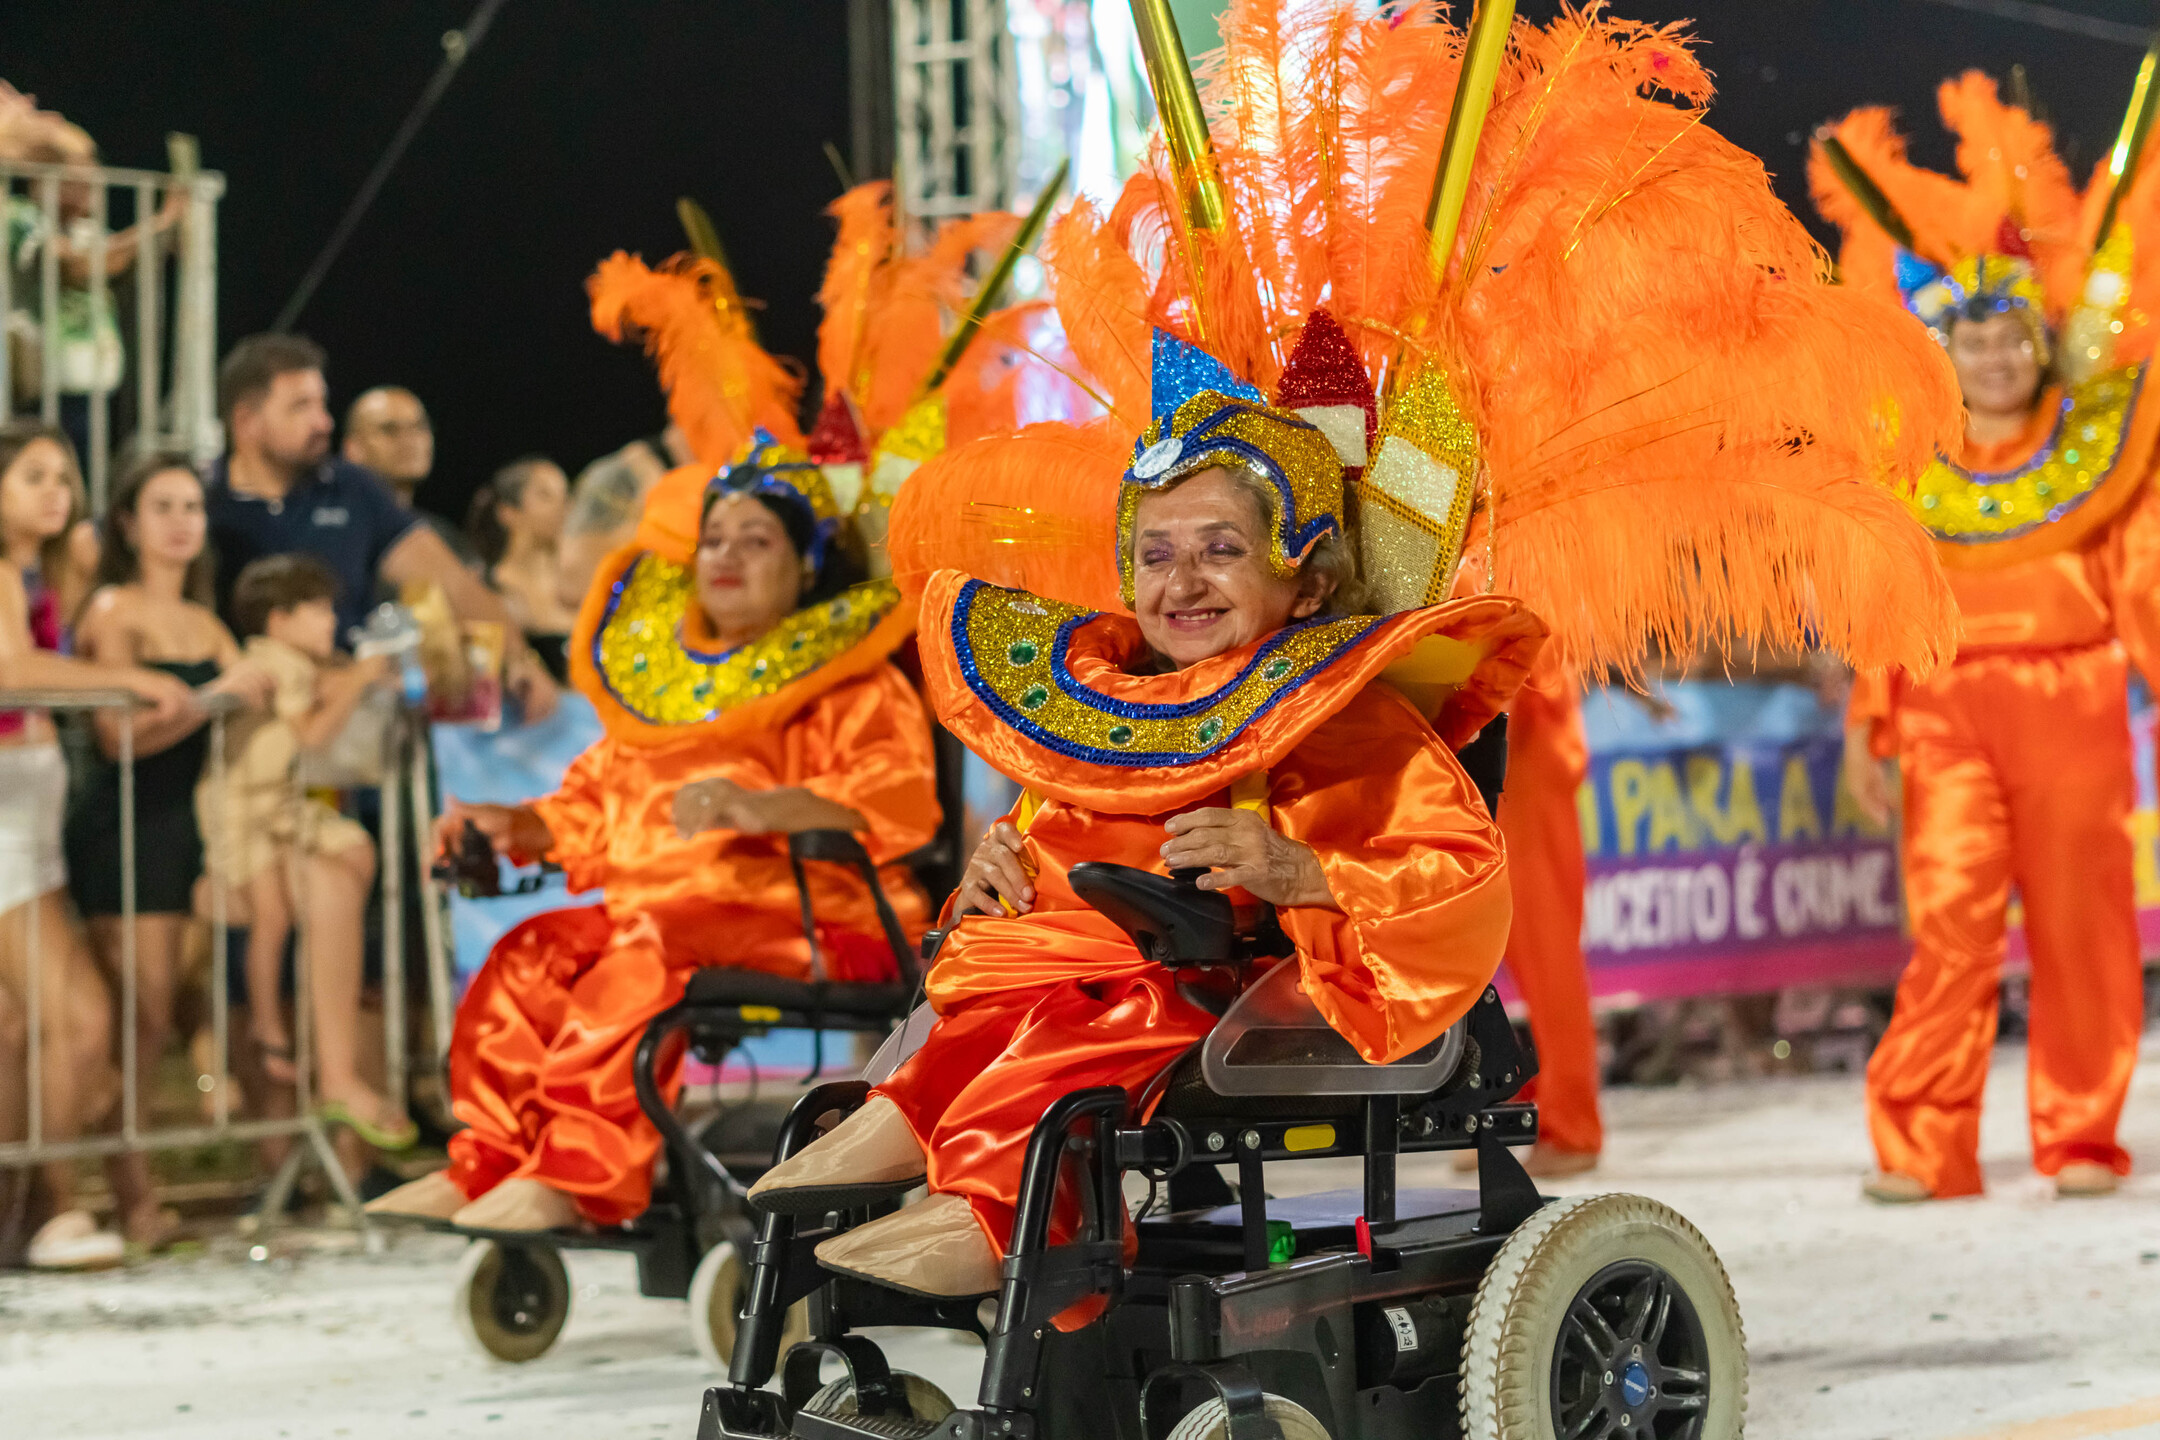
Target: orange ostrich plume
x,y
720,383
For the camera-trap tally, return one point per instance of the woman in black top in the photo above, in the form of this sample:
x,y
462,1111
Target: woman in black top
x,y
150,607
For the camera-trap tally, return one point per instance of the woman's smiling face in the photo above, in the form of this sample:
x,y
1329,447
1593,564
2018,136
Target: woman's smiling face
x,y
1202,585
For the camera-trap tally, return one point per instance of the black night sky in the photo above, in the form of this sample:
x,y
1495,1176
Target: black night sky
x,y
573,127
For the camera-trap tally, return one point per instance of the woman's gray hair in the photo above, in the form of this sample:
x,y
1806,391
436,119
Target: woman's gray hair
x,y
1332,555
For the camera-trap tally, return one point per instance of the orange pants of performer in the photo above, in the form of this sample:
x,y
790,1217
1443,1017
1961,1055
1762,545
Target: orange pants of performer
x,y
1547,760
994,1061
540,1070
2016,771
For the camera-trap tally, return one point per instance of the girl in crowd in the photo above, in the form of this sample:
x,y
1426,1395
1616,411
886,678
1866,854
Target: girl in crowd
x,y
152,608
42,553
747,694
516,521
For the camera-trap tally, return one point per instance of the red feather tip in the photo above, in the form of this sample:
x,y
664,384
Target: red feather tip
x,y
1325,369
2010,240
837,438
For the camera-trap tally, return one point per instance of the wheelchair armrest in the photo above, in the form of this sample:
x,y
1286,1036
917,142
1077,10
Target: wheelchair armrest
x,y
1170,920
838,845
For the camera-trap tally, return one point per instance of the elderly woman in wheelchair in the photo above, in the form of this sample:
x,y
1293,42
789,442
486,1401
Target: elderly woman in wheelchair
x,y
748,696
1232,730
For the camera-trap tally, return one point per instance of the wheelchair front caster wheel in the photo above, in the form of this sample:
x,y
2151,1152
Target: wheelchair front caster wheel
x,y
1211,1421
511,1300
716,1297
926,1402
1604,1316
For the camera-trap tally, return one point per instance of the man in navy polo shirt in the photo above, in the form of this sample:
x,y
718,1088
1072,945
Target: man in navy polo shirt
x,y
280,491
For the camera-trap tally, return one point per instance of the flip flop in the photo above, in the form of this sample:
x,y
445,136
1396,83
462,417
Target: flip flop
x,y
337,1112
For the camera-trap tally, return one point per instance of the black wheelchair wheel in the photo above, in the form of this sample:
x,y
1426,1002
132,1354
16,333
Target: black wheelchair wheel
x,y
1604,1317
512,1300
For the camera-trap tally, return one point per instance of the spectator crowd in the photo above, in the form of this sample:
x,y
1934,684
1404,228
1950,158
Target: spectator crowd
x,y
236,590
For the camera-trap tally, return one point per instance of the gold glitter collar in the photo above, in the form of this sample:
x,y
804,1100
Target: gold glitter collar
x,y
1013,649
2066,487
642,662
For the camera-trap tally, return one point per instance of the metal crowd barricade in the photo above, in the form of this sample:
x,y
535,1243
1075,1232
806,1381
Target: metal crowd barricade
x,y
175,413
404,781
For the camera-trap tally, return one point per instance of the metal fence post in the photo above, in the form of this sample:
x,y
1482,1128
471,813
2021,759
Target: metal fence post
x,y
130,1097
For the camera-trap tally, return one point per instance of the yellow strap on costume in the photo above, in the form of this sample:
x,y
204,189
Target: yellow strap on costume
x,y
1250,792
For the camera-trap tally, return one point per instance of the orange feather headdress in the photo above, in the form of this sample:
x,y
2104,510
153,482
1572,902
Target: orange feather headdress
x,y
1676,429
721,384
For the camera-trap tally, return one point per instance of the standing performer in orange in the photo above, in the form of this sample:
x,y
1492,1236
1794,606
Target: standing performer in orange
x,y
2016,760
1547,762
1254,715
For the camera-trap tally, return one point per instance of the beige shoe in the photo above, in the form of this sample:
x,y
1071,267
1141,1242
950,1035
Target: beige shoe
x,y
520,1205
431,1197
2083,1180
1550,1162
1888,1187
933,1248
872,1155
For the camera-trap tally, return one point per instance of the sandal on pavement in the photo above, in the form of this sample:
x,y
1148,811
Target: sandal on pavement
x,y
1889,1187
402,1137
2085,1180
71,1240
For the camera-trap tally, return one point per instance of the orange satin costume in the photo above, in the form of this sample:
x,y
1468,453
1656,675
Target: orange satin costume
x,y
1547,762
1033,1006
2017,771
540,1069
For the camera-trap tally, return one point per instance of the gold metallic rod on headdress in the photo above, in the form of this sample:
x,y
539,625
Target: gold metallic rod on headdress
x,y
1483,50
2130,142
1863,188
705,241
1185,132
993,285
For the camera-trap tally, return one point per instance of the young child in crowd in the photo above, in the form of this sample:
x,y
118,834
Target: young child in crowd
x,y
287,852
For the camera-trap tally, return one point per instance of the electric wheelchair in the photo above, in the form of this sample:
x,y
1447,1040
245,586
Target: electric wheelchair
x,y
511,1297
1364,1314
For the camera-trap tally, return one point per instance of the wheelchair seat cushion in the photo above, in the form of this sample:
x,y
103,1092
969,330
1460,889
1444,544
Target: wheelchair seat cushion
x,y
721,985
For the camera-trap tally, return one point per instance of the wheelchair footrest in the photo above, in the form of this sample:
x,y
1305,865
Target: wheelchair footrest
x,y
811,1426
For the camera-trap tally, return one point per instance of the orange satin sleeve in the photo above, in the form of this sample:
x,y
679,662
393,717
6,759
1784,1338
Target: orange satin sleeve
x,y
577,815
867,746
1413,860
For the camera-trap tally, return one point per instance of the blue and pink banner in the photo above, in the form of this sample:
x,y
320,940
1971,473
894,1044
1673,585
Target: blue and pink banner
x,y
1724,855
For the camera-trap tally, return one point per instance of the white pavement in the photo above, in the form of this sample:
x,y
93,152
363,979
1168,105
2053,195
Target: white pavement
x,y
2013,1317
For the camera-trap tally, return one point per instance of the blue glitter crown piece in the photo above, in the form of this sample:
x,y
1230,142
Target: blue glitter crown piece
x,y
1182,371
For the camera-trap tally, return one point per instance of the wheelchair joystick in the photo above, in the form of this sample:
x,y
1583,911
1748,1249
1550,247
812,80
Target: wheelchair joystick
x,y
471,866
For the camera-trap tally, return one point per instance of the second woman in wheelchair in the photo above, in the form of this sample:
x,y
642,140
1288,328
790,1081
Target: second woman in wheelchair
x,y
747,694
1231,725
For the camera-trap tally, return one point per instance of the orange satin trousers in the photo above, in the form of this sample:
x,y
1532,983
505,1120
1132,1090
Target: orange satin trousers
x,y
1547,760
540,1066
2017,771
997,1059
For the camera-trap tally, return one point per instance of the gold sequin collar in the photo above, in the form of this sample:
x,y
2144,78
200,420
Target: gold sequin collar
x,y
643,662
1015,652
1968,509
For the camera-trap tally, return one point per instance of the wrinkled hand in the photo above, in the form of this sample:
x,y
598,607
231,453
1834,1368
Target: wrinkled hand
x,y
996,868
1867,779
715,804
1242,849
514,830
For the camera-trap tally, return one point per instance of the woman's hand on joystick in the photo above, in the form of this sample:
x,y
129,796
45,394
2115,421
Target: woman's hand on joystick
x,y
1239,848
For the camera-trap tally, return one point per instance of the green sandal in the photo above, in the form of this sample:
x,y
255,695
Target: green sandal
x,y
337,1112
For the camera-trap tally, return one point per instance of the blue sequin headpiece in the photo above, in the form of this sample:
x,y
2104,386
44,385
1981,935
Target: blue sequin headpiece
x,y
1975,288
792,485
1205,416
